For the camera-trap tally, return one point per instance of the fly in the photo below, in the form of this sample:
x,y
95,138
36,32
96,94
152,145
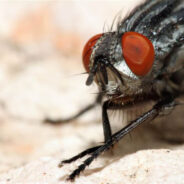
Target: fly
x,y
142,60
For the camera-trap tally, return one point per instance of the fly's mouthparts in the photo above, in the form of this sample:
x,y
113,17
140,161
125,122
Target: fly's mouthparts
x,y
90,79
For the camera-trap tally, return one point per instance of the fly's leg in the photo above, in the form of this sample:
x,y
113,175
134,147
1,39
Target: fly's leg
x,y
81,112
80,155
107,131
105,121
109,105
149,115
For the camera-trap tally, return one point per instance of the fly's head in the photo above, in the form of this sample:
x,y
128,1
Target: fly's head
x,y
119,64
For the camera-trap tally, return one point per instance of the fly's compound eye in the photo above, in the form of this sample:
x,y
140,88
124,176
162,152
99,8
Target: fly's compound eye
x,y
138,52
88,48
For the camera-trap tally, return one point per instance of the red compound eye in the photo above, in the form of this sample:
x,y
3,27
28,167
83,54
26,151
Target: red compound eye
x,y
88,48
138,52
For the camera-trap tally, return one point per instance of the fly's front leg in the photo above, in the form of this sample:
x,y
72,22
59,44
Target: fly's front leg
x,y
109,105
81,112
160,107
105,121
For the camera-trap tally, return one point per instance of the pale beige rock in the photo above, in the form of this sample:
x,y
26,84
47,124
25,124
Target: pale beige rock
x,y
153,166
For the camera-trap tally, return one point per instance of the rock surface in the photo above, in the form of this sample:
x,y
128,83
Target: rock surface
x,y
153,166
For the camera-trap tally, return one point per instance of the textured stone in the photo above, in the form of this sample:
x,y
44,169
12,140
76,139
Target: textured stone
x,y
153,166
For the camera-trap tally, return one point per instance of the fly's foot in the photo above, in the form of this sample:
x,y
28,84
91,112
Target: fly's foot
x,y
76,172
93,153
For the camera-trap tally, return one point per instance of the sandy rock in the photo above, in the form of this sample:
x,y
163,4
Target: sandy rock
x,y
153,166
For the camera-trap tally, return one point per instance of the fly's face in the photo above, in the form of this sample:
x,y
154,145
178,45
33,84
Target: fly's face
x,y
118,63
